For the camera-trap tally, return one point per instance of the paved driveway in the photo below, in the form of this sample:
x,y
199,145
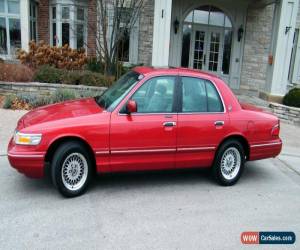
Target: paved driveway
x,y
165,210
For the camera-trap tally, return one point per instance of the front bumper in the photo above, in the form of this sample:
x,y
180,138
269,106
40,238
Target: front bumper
x,y
26,160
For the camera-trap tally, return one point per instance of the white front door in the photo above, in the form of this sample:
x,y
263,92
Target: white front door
x,y
207,49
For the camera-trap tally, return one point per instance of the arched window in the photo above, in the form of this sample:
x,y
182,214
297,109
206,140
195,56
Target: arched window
x,y
207,38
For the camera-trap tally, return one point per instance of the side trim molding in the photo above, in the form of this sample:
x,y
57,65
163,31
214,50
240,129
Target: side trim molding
x,y
134,151
266,144
161,150
196,149
26,155
105,152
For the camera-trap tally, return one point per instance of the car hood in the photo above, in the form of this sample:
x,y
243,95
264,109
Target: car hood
x,y
59,111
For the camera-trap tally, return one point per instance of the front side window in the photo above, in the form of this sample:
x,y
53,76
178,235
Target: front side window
x,y
200,95
68,25
156,95
113,95
10,31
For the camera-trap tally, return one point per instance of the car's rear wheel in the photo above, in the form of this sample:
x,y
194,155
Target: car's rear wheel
x,y
229,163
71,169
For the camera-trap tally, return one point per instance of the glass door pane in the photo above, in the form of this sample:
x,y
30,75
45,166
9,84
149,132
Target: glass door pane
x,y
214,51
199,50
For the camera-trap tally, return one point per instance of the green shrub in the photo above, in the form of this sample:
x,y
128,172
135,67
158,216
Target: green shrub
x,y
27,97
89,93
48,74
292,98
71,77
42,101
8,101
95,79
62,95
94,65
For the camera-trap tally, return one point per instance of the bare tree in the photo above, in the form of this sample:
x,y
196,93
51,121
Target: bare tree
x,y
116,19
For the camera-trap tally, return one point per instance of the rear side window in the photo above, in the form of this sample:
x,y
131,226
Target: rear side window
x,y
200,95
214,102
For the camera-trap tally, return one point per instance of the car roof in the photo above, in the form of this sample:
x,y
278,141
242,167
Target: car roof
x,y
145,70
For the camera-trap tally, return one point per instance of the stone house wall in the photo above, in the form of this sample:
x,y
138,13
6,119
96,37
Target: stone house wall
x,y
146,33
258,37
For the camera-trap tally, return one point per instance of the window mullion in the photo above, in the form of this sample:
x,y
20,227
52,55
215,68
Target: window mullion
x,y
72,28
59,24
7,36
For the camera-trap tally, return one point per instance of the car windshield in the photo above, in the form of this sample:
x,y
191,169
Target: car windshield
x,y
113,95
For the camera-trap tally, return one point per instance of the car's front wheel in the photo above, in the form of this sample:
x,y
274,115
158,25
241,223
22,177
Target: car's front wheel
x,y
71,169
229,163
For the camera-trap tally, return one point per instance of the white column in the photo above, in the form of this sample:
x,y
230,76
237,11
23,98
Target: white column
x,y
161,32
283,43
25,23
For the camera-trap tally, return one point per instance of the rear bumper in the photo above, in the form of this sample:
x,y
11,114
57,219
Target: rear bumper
x,y
30,163
265,150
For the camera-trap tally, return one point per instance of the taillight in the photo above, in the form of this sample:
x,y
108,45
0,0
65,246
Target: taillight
x,y
276,129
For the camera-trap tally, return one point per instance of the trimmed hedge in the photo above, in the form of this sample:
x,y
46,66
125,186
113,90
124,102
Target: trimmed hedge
x,y
49,74
292,98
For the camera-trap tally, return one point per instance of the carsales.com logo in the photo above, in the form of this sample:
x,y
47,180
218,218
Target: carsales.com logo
x,y
268,237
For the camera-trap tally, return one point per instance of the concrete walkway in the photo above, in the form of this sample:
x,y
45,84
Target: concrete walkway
x,y
8,123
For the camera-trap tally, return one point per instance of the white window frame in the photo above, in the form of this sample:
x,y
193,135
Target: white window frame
x,y
8,16
72,5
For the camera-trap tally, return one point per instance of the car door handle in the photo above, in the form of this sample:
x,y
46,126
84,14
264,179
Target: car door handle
x,y
219,123
169,124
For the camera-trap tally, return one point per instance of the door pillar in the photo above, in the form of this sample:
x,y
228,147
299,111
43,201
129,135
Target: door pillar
x,y
161,33
283,34
25,23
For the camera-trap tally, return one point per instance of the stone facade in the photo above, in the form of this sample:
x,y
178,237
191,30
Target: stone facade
x,y
43,89
258,37
287,114
146,33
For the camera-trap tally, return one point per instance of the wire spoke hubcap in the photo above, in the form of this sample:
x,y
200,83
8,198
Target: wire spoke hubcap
x,y
230,163
74,171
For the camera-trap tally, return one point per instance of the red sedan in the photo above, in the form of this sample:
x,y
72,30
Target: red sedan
x,y
150,119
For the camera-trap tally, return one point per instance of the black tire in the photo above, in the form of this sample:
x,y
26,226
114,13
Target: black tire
x,y
235,147
64,153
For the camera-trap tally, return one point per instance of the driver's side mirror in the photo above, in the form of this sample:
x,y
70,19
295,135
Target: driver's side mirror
x,y
131,107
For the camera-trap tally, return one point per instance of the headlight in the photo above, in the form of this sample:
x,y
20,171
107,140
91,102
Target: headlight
x,y
27,139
